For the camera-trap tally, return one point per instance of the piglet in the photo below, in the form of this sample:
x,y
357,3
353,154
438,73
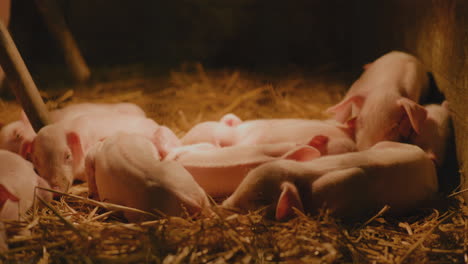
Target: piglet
x,y
126,169
17,186
350,185
231,131
75,110
220,170
435,132
382,103
14,134
59,149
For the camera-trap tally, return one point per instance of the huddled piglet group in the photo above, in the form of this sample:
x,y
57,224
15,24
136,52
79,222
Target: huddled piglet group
x,y
381,106
381,147
58,151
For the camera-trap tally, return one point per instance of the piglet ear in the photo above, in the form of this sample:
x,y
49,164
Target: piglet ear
x,y
288,199
230,120
8,204
74,143
24,117
6,195
320,143
165,140
347,108
416,113
303,153
10,210
351,127
445,104
367,65
26,149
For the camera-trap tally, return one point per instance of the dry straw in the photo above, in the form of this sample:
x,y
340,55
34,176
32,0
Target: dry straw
x,y
75,229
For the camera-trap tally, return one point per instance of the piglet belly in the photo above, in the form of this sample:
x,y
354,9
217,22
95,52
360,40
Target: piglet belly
x,y
219,182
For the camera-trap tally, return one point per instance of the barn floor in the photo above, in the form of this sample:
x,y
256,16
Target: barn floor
x,y
75,229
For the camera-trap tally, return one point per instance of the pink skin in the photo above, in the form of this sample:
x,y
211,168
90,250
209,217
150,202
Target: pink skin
x,y
383,100
231,131
14,134
220,170
17,186
435,132
126,169
75,110
59,149
350,185
206,132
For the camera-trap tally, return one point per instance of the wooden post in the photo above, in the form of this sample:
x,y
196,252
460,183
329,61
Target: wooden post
x,y
21,82
5,18
58,28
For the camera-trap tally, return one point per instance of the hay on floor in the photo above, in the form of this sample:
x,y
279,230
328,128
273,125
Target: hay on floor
x,y
75,229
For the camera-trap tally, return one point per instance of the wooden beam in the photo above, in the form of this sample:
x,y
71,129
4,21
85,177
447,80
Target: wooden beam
x,y
21,82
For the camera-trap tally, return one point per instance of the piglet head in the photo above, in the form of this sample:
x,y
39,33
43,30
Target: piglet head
x,y
56,154
14,134
435,133
383,120
182,192
270,187
170,190
11,136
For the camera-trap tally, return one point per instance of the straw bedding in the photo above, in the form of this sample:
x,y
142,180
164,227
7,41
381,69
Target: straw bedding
x,y
75,229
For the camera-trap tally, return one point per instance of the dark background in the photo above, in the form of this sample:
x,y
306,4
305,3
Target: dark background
x,y
255,34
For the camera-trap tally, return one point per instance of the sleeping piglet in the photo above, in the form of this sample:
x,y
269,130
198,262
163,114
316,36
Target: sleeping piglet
x,y
382,103
435,132
350,185
126,169
59,149
14,134
75,110
231,131
17,186
220,170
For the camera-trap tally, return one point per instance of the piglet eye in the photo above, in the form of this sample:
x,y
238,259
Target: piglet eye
x,y
68,156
